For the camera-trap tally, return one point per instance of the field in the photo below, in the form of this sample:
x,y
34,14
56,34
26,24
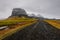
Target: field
x,y
14,25
58,21
12,21
55,23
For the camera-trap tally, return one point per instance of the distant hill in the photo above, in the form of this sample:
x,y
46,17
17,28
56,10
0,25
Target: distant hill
x,y
18,12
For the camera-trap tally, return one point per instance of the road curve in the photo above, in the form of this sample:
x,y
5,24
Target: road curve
x,y
37,31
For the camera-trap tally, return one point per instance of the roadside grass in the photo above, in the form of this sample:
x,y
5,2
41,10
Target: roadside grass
x,y
58,21
54,23
8,32
11,21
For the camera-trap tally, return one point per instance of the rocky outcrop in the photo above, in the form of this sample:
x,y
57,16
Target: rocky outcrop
x,y
18,12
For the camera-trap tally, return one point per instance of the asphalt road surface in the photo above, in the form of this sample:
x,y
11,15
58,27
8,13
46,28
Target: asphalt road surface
x,y
38,31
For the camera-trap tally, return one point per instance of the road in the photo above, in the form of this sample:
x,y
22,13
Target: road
x,y
38,31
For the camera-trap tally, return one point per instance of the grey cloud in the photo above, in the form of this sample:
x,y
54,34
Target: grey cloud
x,y
47,8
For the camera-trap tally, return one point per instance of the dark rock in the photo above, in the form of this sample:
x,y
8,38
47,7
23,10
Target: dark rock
x,y
18,12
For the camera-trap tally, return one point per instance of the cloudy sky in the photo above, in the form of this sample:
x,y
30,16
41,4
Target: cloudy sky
x,y
46,8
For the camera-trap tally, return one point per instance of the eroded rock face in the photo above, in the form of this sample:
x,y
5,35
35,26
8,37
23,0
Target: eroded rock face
x,y
18,12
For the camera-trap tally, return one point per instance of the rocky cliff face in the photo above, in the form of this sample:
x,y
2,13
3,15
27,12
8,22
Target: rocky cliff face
x,y
18,12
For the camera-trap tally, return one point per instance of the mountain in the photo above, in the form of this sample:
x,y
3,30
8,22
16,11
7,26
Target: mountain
x,y
18,12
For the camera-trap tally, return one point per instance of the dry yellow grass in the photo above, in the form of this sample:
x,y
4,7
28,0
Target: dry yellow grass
x,y
13,20
58,21
17,27
55,23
